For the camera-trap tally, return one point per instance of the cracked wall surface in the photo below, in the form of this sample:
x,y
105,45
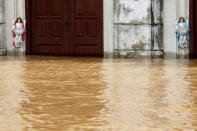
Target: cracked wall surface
x,y
132,37
138,25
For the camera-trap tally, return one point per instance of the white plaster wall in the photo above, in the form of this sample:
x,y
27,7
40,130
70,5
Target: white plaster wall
x,y
1,11
173,9
9,14
108,27
183,8
13,9
20,4
1,24
169,36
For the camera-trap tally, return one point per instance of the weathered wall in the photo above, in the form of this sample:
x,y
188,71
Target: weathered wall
x,y
157,24
137,28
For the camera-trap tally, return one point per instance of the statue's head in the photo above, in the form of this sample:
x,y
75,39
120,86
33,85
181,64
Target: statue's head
x,y
18,20
181,20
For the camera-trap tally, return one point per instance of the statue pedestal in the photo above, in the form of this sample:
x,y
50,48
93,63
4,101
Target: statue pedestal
x,y
183,53
3,52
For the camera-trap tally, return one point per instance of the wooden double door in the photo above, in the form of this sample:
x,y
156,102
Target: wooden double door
x,y
65,27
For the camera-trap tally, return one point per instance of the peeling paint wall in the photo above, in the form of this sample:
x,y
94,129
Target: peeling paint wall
x,y
132,37
132,11
137,26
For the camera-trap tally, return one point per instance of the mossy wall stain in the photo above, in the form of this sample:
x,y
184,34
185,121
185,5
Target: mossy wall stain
x,y
137,25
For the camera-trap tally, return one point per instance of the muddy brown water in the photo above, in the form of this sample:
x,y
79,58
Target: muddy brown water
x,y
39,93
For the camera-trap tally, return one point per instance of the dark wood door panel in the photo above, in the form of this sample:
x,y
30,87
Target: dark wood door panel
x,y
86,8
48,26
49,50
86,50
64,27
87,28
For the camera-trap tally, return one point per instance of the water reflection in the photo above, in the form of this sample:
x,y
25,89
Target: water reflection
x,y
11,94
65,93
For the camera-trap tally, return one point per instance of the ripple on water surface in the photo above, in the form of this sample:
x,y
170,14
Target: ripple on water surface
x,y
74,93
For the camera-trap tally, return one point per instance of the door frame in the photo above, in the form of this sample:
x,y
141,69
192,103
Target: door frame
x,y
192,46
28,28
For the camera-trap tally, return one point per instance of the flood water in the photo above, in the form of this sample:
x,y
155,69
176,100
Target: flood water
x,y
40,93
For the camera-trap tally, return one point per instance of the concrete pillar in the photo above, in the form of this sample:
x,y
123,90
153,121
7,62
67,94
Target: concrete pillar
x,y
157,25
183,11
2,48
1,23
173,9
169,36
108,27
20,12
10,14
13,9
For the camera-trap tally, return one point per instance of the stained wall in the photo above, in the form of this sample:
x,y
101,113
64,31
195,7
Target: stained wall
x,y
138,28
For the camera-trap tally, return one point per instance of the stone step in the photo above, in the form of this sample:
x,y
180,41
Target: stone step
x,y
3,52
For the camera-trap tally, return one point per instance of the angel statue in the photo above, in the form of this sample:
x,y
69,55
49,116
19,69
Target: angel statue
x,y
18,30
182,32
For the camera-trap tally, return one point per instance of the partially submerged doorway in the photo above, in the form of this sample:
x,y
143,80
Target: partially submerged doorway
x,y
65,27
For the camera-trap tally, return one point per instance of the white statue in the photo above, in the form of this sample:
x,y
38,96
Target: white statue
x,y
182,32
18,30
